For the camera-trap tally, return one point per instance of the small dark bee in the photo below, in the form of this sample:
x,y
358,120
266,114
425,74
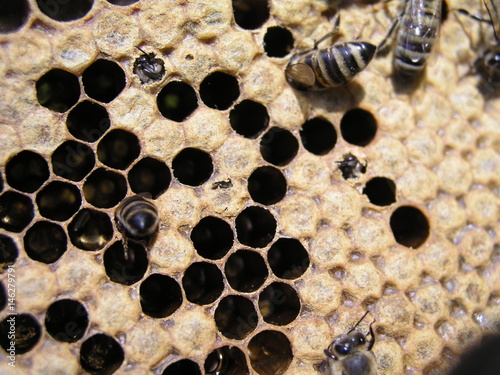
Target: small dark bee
x,y
329,67
149,68
222,184
351,167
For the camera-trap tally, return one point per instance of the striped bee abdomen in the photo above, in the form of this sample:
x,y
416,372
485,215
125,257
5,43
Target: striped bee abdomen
x,y
137,217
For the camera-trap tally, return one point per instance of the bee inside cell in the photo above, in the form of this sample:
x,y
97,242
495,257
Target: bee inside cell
x,y
148,67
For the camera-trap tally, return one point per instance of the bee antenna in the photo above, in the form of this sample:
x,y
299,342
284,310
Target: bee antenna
x,y
360,320
140,49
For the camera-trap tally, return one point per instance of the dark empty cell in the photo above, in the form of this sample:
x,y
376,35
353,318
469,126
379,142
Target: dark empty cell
x,y
88,121
481,358
3,297
13,15
26,331
279,304
1,182
73,160
212,237
123,2
288,258
192,167
236,317
16,211
249,118
409,226
202,283
176,101
150,176
255,226
278,146
245,271
444,11
219,90
182,367
318,136
104,189
358,127
270,353
250,15
58,90
129,270
45,242
267,185
90,230
66,320
58,200
118,149
8,251
380,191
228,360
351,167
26,171
160,296
101,354
104,80
278,41
65,11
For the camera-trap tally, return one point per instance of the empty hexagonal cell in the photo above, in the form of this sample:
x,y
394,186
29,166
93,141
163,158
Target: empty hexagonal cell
x,y
182,367
150,176
278,41
14,15
26,171
16,211
279,304
104,189
410,226
58,200
27,332
58,90
1,182
192,167
177,100
219,90
235,317
65,11
318,136
267,185
160,296
358,127
104,80
212,237
101,354
250,15
202,282
73,160
288,258
8,251
278,146
255,226
270,353
66,320
380,191
118,149
122,2
45,242
125,265
3,297
245,271
249,118
88,121
226,360
90,229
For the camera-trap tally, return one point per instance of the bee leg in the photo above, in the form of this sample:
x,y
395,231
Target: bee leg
x,y
330,355
372,341
473,16
335,30
385,42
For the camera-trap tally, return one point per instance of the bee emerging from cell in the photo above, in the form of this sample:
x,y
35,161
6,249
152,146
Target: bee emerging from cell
x,y
351,167
148,67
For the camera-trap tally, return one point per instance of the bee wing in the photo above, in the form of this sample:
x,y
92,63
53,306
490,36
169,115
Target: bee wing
x,y
493,7
300,75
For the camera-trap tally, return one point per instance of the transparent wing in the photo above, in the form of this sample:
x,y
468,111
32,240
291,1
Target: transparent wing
x,y
300,75
493,7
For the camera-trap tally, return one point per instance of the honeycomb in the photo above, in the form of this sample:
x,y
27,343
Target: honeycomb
x,y
284,215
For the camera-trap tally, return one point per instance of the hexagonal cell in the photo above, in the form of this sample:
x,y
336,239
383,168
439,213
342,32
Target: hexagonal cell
x,y
212,237
1,182
255,227
249,118
278,146
270,353
122,2
219,90
26,171
160,296
14,16
58,90
278,41
125,265
66,320
192,167
8,251
88,121
27,333
318,136
410,226
250,15
150,176
351,167
148,67
101,354
16,212
104,80
3,297
279,304
235,317
118,149
267,185
176,101
104,189
245,271
58,200
65,11
381,191
45,242
182,367
90,229
73,160
202,283
226,360
287,258
358,127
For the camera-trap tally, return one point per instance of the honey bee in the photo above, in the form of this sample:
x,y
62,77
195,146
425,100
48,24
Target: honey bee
x,y
351,167
328,67
149,68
